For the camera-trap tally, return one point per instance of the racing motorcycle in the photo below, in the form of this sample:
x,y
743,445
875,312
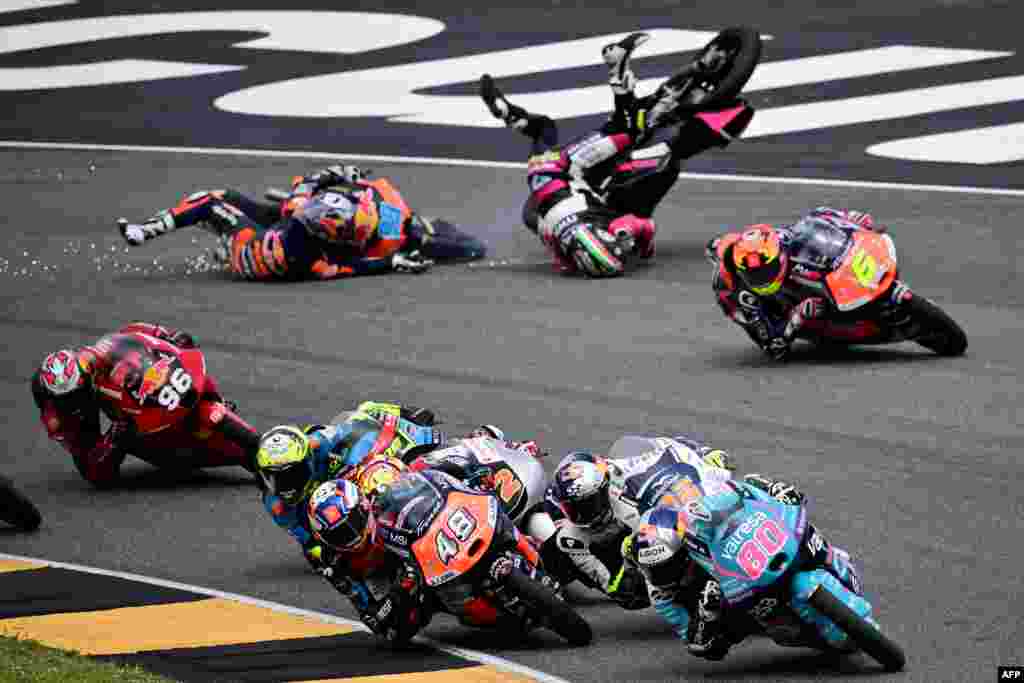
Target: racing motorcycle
x,y
635,181
471,559
177,414
15,507
871,305
779,577
442,240
513,472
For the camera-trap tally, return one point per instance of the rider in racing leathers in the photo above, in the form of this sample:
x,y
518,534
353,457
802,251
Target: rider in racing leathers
x,y
69,401
293,460
582,233
351,556
594,502
334,225
770,280
691,601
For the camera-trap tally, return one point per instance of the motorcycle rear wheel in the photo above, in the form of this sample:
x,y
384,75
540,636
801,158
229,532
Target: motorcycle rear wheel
x,y
867,637
940,333
16,508
743,45
557,614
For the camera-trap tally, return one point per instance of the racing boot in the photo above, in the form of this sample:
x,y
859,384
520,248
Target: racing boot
x,y
622,79
137,233
706,637
617,56
513,115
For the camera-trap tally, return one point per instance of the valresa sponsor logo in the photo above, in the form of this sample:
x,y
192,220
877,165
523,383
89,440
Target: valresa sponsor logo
x,y
735,540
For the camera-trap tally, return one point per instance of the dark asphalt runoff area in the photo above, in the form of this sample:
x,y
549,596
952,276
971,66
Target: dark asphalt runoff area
x,y
911,461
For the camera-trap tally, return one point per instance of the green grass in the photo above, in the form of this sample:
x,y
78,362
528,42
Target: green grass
x,y
26,660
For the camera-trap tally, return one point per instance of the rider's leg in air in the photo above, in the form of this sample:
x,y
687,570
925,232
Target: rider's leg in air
x,y
222,211
577,252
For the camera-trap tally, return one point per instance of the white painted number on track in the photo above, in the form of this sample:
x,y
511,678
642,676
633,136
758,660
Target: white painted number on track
x,y
391,91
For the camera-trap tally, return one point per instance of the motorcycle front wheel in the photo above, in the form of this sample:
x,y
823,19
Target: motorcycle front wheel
x,y
939,332
865,634
555,612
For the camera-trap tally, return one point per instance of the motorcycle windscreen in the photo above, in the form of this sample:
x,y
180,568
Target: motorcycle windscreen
x,y
459,537
865,273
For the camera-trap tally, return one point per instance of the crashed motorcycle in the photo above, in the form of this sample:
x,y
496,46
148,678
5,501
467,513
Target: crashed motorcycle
x,y
471,559
711,115
778,575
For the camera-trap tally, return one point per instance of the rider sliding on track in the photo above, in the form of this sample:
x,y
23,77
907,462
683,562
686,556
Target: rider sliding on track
x,y
583,234
334,225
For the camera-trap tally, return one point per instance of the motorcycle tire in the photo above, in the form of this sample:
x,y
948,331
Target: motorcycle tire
x,y
867,637
744,46
557,614
16,509
939,332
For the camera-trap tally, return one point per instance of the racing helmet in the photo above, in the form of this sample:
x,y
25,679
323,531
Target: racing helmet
x,y
339,515
759,259
489,431
658,549
282,464
581,489
378,474
335,218
60,373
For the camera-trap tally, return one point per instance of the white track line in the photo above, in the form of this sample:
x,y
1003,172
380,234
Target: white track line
x,y
472,655
482,163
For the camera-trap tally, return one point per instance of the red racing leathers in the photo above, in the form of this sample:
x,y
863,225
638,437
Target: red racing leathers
x,y
211,435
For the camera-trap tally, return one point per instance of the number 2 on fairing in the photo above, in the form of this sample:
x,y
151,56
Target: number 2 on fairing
x,y
507,485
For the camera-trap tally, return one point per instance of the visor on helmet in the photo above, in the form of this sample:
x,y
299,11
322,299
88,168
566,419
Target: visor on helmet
x,y
590,510
288,482
339,515
759,260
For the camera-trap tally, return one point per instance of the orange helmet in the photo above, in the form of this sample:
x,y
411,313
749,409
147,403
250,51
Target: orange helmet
x,y
759,259
378,473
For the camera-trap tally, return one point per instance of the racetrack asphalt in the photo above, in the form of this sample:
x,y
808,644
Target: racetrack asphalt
x,y
911,461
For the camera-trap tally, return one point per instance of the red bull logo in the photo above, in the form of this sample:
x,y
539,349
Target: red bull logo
x,y
154,378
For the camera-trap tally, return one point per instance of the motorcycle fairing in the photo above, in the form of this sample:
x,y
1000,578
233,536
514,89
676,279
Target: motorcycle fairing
x,y
866,271
458,537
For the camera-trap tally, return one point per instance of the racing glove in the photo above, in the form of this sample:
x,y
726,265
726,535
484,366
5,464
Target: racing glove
x,y
413,262
628,588
332,175
782,491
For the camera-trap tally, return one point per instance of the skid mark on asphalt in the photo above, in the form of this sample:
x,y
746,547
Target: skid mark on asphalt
x,y
195,636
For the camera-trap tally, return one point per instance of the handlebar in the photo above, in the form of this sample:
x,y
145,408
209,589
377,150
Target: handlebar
x,y
276,195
